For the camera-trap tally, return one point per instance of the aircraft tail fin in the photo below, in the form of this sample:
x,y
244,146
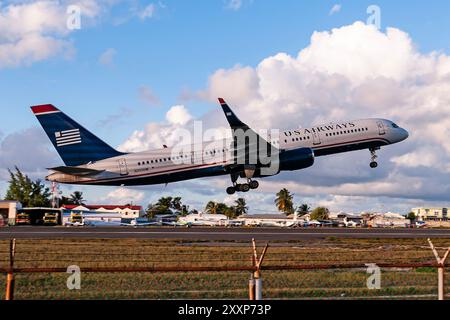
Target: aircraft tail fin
x,y
75,144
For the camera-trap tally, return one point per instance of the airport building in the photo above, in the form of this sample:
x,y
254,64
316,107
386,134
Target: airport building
x,y
99,214
280,220
8,211
124,211
12,213
431,214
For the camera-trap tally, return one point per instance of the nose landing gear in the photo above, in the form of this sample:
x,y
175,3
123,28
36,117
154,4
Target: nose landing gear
x,y
373,157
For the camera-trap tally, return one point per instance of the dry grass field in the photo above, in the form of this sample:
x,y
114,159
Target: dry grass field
x,y
306,284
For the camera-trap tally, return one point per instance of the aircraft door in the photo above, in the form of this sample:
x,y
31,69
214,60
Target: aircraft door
x,y
197,157
123,167
316,139
381,128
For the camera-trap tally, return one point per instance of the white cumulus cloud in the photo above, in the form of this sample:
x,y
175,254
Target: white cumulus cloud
x,y
355,71
33,31
124,196
155,135
178,115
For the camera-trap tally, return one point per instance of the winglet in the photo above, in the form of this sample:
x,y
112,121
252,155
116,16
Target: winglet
x,y
232,119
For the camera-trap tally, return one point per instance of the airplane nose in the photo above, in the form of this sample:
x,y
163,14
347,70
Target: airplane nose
x,y
404,134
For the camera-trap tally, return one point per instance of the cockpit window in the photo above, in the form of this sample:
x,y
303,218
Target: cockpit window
x,y
395,126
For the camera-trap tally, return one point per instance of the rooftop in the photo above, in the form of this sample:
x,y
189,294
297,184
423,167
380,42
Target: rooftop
x,y
98,206
263,216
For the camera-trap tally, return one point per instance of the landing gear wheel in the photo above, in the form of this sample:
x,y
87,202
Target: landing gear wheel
x,y
245,187
231,190
254,184
373,158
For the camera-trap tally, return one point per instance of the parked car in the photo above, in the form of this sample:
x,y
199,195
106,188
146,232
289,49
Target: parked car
x,y
23,218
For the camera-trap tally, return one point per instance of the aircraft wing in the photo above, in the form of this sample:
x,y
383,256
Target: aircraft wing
x,y
76,171
236,124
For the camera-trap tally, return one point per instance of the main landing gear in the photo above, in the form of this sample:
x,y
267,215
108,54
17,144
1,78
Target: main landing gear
x,y
245,187
373,157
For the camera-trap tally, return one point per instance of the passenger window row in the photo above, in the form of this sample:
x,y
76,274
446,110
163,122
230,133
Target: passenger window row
x,y
299,139
212,152
338,133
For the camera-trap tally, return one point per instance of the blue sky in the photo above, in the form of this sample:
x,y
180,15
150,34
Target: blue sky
x,y
180,47
176,50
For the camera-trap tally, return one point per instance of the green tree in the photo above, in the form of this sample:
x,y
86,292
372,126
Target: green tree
x,y
165,205
320,213
151,211
176,204
230,212
284,201
240,206
411,216
220,208
212,207
303,209
77,198
30,193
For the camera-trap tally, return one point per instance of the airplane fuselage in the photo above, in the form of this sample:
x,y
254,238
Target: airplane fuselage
x,y
211,158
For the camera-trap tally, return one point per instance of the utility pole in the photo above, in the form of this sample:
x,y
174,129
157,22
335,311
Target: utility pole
x,y
441,269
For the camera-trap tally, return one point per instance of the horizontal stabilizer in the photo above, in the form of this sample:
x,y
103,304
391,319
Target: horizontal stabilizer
x,y
75,171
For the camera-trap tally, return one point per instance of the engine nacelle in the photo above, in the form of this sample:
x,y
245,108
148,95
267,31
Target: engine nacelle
x,y
296,159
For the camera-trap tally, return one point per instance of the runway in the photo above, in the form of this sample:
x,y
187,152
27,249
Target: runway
x,y
214,234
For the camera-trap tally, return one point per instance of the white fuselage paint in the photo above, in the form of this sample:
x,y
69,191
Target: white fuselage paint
x,y
326,139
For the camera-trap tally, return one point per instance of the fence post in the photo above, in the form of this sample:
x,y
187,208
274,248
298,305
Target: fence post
x,y
255,285
441,270
251,288
251,282
10,275
441,293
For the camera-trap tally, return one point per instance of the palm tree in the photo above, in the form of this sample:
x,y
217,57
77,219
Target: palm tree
x,y
212,207
176,203
164,204
284,201
241,206
77,198
303,209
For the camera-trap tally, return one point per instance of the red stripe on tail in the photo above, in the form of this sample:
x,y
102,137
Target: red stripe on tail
x,y
43,108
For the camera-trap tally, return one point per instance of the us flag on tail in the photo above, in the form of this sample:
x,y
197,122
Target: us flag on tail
x,y
67,137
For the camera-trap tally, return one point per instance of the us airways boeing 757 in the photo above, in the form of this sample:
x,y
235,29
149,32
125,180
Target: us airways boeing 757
x,y
90,161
